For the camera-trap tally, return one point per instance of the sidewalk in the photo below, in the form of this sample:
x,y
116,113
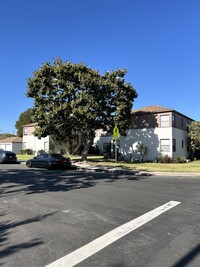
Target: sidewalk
x,y
123,171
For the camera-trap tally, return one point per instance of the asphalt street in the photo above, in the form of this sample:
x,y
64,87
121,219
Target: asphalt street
x,y
48,214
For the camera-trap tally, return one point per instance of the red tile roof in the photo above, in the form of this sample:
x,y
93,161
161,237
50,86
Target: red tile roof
x,y
152,109
156,109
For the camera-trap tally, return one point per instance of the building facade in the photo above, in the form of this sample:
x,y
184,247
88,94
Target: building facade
x,y
13,144
162,130
30,141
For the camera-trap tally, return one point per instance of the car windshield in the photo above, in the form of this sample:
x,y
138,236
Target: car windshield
x,y
57,156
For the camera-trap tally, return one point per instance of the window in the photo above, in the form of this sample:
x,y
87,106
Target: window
x,y
187,124
174,145
46,146
164,145
173,121
164,121
181,122
25,131
182,144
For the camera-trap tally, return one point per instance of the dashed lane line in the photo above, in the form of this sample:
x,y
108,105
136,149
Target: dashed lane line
x,y
103,241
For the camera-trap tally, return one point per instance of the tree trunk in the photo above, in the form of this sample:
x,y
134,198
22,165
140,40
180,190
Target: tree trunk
x,y
86,141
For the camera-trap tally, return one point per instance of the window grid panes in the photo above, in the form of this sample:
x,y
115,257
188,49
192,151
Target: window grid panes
x,y
164,145
164,121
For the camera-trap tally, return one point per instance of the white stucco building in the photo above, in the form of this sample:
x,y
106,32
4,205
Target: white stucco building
x,y
30,141
13,144
163,130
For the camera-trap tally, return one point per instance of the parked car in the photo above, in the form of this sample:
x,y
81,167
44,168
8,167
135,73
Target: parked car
x,y
49,161
7,156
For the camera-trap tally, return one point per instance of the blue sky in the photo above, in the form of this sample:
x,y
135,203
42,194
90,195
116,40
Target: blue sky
x,y
157,41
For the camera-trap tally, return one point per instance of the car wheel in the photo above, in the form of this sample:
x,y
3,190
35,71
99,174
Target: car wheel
x,y
28,164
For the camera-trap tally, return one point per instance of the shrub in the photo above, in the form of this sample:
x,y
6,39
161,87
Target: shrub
x,y
23,151
180,160
164,159
27,151
168,159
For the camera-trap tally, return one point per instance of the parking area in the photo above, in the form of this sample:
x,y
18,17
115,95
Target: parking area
x,y
48,214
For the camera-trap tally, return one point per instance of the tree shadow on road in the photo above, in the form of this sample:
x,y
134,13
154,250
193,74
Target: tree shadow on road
x,y
6,229
24,181
188,257
30,181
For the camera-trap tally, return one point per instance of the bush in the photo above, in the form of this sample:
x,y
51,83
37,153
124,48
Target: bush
x,y
23,151
180,160
27,151
168,159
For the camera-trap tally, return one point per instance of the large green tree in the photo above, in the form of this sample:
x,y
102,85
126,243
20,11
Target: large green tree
x,y
73,98
194,135
24,118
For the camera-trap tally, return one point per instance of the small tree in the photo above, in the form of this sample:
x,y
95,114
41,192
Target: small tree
x,y
194,136
143,150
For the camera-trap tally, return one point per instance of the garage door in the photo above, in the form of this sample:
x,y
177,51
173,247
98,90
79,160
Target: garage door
x,y
6,146
2,146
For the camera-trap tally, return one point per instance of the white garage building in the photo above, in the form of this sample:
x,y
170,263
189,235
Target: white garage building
x,y
13,144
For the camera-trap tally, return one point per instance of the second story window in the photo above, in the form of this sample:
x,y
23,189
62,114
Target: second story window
x,y
181,122
173,121
164,121
25,131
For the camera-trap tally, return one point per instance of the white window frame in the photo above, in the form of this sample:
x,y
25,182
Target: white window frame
x,y
46,146
25,131
165,145
164,121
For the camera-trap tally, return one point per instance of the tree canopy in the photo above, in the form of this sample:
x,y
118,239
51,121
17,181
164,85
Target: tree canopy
x,y
73,98
24,118
194,135
5,135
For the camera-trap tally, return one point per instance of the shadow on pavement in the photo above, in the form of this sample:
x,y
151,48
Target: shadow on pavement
x,y
6,228
26,181
188,257
30,181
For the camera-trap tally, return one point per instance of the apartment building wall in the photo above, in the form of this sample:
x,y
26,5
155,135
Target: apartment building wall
x,y
30,141
164,133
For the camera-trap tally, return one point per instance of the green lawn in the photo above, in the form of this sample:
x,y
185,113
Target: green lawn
x,y
193,166
24,157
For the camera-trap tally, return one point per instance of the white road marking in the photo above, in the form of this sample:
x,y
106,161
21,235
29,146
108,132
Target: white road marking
x,y
103,241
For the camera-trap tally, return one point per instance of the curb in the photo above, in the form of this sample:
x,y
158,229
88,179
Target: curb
x,y
134,172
